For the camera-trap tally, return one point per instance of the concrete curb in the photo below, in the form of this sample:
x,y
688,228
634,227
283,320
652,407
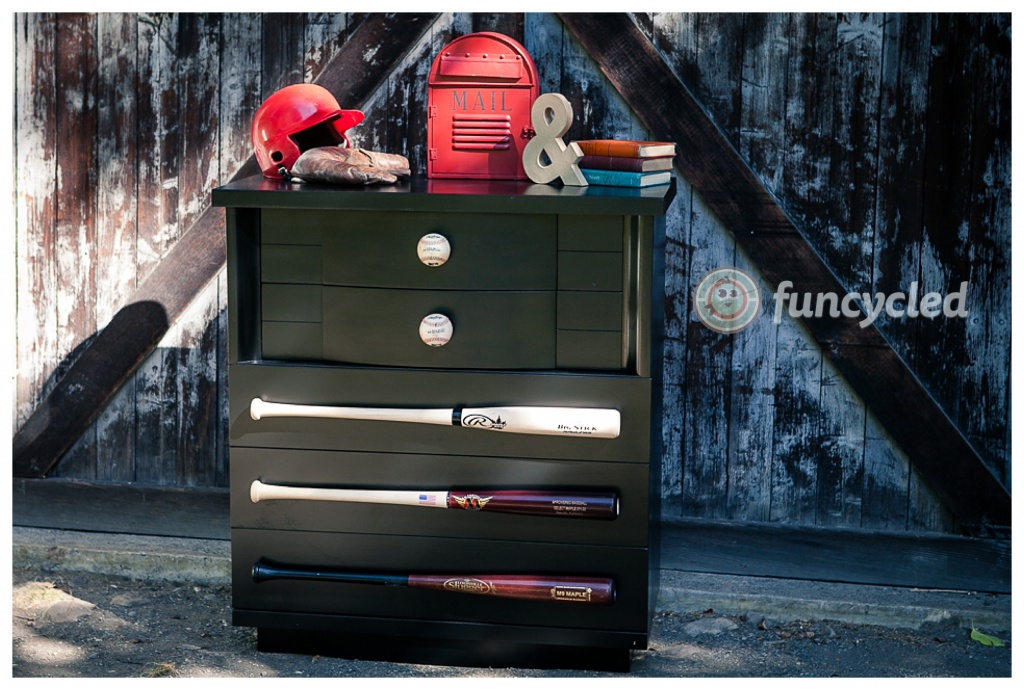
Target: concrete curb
x,y
202,561
208,562
783,601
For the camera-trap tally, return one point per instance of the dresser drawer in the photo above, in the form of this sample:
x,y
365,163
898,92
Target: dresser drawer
x,y
435,389
374,553
362,249
436,474
491,330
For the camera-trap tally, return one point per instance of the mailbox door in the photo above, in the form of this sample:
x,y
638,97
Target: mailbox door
x,y
479,94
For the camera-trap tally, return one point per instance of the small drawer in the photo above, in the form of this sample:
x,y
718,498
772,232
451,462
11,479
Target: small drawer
x,y
435,475
489,330
597,271
278,226
597,350
293,341
591,233
410,555
291,263
292,303
590,311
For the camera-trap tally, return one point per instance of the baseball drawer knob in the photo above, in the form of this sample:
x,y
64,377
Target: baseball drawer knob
x,y
433,249
436,330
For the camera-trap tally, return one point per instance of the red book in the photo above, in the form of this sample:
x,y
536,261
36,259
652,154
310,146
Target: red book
x,y
627,164
624,148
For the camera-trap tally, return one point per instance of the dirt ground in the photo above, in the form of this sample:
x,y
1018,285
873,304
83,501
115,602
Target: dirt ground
x,y
79,625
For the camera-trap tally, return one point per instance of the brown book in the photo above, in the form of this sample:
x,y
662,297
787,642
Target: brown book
x,y
624,148
629,164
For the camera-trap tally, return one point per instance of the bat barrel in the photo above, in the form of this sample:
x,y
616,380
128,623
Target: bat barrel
x,y
573,422
584,505
595,591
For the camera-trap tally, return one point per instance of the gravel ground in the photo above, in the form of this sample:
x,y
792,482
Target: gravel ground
x,y
82,625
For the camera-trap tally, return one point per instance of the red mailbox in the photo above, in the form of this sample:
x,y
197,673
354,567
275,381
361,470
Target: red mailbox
x,y
479,94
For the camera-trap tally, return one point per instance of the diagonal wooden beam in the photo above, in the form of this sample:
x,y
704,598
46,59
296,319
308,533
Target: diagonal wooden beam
x,y
361,64
949,464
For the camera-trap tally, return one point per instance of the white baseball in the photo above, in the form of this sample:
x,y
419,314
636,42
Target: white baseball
x,y
433,249
436,330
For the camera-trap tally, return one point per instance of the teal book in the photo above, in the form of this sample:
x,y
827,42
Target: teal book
x,y
623,178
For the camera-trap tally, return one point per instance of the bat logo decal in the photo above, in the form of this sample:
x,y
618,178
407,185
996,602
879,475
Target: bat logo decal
x,y
483,421
569,593
469,584
472,501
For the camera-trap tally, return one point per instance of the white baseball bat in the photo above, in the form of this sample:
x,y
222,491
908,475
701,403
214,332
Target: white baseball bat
x,y
584,422
601,505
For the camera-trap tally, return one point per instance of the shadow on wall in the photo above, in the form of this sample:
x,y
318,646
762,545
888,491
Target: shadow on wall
x,y
107,417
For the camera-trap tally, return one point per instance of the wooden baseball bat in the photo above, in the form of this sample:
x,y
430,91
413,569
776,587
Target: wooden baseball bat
x,y
592,505
596,591
583,422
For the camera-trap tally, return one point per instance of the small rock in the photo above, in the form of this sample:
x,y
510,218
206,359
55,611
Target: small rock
x,y
709,626
43,601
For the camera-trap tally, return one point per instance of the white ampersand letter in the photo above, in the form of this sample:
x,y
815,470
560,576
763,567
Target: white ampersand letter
x,y
551,117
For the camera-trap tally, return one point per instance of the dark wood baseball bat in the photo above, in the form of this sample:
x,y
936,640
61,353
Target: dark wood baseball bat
x,y
592,505
595,591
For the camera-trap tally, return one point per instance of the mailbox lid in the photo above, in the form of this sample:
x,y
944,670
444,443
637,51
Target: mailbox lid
x,y
485,58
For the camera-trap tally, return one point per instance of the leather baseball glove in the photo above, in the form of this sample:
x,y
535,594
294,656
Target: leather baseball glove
x,y
338,165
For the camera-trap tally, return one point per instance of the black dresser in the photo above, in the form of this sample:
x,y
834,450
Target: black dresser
x,y
552,298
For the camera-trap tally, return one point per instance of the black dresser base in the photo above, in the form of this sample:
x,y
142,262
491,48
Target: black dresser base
x,y
442,652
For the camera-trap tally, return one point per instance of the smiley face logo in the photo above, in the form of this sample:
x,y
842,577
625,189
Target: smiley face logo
x,y
727,300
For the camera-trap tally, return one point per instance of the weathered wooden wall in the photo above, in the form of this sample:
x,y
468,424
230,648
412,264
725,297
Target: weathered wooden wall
x,y
885,137
875,136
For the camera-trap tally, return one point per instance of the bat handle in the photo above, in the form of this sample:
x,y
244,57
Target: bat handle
x,y
264,570
262,409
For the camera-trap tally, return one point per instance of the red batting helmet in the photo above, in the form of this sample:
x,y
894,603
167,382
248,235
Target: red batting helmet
x,y
294,119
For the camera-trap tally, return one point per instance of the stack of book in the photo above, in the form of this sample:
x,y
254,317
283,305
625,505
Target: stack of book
x,y
624,163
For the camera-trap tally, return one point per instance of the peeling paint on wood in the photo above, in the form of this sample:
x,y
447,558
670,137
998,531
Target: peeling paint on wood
x,y
35,184
707,403
116,223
